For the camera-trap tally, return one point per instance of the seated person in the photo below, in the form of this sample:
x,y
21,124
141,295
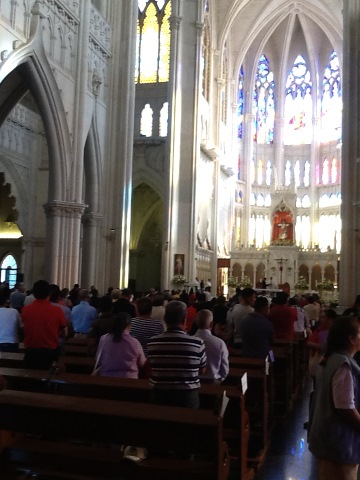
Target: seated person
x,y
257,331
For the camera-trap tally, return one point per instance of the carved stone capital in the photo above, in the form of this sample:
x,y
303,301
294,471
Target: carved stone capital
x,y
58,208
175,21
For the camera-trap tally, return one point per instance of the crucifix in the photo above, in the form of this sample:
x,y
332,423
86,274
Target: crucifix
x,y
280,262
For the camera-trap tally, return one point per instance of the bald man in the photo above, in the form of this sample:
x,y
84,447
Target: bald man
x,y
217,354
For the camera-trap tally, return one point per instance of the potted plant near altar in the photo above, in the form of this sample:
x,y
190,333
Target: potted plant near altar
x,y
301,285
178,281
232,284
245,282
326,290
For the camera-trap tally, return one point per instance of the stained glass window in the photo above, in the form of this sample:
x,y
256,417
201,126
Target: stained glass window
x,y
334,170
263,103
240,109
325,171
260,172
331,103
153,41
298,105
303,231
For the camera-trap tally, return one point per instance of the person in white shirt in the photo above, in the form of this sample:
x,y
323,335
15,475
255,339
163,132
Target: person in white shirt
x,y
238,313
11,327
217,365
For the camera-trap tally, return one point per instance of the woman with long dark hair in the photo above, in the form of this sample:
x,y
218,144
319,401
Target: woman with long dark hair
x,y
118,353
334,427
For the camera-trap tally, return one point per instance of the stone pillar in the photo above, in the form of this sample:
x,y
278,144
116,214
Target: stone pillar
x,y
90,251
183,142
350,175
62,242
119,150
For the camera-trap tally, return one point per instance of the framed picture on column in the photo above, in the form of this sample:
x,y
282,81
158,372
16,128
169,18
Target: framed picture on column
x,y
179,259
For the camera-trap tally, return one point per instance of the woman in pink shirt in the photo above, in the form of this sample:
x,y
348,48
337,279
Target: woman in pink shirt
x,y
119,354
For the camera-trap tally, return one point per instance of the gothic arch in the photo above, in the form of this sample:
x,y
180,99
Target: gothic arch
x,y
27,68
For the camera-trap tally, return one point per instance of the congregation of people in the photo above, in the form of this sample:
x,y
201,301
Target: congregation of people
x,y
181,339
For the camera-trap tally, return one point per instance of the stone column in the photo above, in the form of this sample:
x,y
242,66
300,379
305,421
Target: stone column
x,y
62,242
119,150
90,251
350,175
183,143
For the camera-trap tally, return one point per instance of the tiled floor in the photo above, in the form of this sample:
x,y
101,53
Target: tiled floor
x,y
288,457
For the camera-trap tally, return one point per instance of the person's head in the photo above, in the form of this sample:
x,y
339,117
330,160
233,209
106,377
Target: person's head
x,y
105,304
221,300
121,322
3,301
21,287
144,305
41,289
175,314
344,335
327,317
115,294
126,292
281,298
54,293
204,319
64,292
261,305
158,301
248,296
84,295
293,302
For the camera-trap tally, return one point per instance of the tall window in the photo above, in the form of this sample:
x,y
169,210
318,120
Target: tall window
x,y
163,124
331,103
240,110
153,41
146,122
9,270
298,105
263,103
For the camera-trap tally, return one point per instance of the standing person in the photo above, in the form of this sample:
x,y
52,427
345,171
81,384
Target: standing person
x,y
83,314
119,354
17,297
124,304
144,327
11,327
217,354
257,331
334,427
312,309
283,317
44,324
176,360
236,314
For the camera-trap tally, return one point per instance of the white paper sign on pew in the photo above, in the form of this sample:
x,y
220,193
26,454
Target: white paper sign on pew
x,y
244,383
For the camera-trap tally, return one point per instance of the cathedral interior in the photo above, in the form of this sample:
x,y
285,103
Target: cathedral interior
x,y
222,134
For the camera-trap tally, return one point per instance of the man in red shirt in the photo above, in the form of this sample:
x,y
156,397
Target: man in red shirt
x,y
282,317
44,323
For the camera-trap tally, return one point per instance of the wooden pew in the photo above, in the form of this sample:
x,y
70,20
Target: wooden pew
x,y
236,423
61,420
72,364
257,404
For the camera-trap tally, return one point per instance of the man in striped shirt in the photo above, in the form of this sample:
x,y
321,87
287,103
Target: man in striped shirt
x,y
176,361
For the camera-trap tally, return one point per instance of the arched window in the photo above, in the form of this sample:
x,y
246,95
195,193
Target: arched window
x,y
298,105
334,170
263,103
153,41
146,121
302,231
240,109
252,198
260,200
307,174
305,203
325,171
288,173
268,173
297,173
268,200
9,270
260,172
331,103
163,124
